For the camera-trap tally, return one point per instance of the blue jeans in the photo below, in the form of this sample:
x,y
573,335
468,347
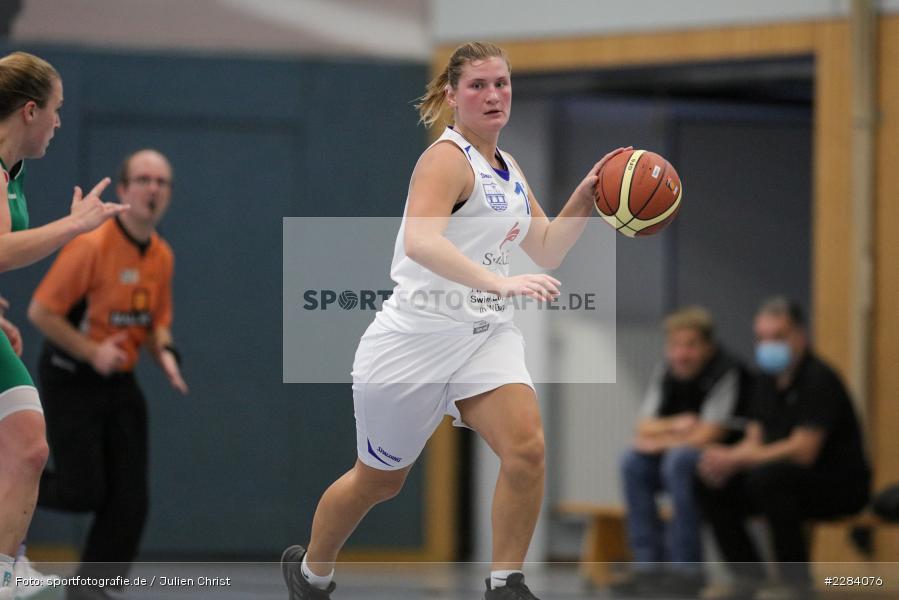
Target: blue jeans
x,y
644,476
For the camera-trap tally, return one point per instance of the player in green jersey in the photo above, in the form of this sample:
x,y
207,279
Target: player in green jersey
x,y
30,99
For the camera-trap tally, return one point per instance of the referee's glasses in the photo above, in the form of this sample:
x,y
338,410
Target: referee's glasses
x,y
146,180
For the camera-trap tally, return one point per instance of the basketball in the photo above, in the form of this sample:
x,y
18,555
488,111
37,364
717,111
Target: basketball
x,y
638,192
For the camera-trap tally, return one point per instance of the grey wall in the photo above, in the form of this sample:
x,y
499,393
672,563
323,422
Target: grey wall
x,y
451,19
744,231
238,465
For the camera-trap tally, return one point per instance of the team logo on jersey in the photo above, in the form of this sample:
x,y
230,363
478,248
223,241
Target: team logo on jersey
x,y
129,276
495,197
140,299
486,176
511,235
480,327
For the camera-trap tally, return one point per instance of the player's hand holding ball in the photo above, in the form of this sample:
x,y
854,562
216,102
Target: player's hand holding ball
x,y
637,192
586,189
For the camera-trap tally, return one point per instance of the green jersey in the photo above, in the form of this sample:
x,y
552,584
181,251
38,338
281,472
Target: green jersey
x,y
15,193
13,373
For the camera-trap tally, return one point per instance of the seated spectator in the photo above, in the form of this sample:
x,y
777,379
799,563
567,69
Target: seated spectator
x,y
801,459
689,403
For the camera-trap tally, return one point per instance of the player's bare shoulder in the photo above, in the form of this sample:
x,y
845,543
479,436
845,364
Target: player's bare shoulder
x,y
444,167
445,157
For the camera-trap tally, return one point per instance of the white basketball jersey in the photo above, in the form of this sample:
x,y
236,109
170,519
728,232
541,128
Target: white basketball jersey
x,y
492,222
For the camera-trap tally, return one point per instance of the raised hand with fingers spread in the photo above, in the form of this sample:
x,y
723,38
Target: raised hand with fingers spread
x,y
90,211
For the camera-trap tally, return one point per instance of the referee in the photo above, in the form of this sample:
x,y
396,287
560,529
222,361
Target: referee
x,y
108,294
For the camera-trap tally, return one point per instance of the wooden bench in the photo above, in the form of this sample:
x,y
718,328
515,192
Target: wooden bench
x,y
605,539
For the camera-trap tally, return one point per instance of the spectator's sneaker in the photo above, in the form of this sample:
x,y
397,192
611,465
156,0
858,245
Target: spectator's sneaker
x,y
297,586
515,589
39,586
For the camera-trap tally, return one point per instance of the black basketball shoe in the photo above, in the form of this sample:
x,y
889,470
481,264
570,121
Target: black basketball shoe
x,y
515,589
297,585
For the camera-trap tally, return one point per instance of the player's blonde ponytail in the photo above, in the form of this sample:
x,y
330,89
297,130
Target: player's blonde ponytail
x,y
430,105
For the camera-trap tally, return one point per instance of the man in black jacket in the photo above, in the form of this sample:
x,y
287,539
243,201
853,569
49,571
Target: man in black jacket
x,y
802,457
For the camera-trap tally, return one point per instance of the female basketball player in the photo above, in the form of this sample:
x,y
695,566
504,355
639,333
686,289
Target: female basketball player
x,y
445,343
30,99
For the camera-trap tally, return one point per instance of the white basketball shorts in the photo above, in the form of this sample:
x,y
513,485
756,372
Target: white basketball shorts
x,y
404,384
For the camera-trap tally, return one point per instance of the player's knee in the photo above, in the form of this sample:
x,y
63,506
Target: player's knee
x,y
380,486
383,489
27,447
32,457
526,456
389,489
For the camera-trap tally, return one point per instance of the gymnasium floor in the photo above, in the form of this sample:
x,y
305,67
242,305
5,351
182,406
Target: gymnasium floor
x,y
409,581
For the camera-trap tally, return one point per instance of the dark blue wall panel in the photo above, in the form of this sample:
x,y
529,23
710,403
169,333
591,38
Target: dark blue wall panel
x,y
238,465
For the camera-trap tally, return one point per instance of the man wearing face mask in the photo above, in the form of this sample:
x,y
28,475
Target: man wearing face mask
x,y
107,295
802,457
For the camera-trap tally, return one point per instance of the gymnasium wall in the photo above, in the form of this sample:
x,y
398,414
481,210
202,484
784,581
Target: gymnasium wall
x,y
451,20
396,29
391,29
237,465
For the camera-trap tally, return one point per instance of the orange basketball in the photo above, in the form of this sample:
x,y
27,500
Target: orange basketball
x,y
638,192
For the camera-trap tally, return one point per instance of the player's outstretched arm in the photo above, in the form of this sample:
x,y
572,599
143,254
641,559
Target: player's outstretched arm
x,y
21,248
548,242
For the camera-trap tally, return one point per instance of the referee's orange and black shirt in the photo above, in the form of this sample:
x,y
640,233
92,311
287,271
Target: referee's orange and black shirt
x,y
105,282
